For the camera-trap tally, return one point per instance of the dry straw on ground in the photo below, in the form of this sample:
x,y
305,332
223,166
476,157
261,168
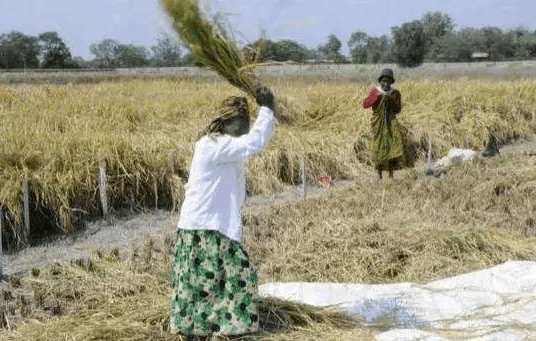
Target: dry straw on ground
x,y
410,229
123,295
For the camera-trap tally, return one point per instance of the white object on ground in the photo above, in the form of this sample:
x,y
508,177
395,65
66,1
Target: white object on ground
x,y
456,157
492,304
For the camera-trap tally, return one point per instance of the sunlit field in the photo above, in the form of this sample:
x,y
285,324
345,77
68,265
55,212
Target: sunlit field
x,y
412,228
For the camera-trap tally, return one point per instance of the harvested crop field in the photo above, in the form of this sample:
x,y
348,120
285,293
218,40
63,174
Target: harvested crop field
x,y
413,228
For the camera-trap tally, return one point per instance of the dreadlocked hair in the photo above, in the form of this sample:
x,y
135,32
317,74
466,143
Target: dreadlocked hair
x,y
232,106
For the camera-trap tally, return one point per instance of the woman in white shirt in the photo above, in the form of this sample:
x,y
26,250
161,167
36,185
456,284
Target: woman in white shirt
x,y
214,283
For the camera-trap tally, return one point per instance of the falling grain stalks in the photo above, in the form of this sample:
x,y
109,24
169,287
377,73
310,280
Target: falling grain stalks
x,y
4,314
211,48
155,187
214,49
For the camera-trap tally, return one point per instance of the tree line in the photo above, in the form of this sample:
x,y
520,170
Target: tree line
x,y
48,50
432,38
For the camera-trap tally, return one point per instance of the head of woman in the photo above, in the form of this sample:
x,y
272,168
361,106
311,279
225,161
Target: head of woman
x,y
386,79
233,119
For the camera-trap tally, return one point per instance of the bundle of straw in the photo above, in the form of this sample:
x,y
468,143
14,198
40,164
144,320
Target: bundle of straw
x,y
211,48
277,314
215,49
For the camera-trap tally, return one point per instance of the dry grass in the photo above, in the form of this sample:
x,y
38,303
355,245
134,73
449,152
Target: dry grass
x,y
411,229
143,130
124,295
59,135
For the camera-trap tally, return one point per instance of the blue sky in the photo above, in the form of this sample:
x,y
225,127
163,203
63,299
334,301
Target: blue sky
x,y
83,22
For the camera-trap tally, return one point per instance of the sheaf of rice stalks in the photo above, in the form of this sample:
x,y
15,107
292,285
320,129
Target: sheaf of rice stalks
x,y
216,50
211,48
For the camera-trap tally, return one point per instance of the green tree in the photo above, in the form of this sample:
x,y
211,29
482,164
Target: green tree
x,y
435,26
285,50
79,62
469,41
358,47
188,59
409,46
315,54
378,50
105,52
55,53
332,49
497,44
460,46
167,52
131,56
18,51
260,51
524,43
448,47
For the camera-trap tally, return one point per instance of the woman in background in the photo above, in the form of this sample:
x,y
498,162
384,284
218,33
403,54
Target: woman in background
x,y
388,145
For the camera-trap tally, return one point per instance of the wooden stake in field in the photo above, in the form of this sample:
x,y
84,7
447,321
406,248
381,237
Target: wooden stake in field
x,y
103,185
303,180
1,251
429,169
26,209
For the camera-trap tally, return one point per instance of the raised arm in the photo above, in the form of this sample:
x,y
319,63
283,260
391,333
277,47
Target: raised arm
x,y
372,97
236,148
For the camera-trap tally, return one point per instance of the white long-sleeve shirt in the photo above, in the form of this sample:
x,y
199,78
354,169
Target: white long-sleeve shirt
x,y
216,185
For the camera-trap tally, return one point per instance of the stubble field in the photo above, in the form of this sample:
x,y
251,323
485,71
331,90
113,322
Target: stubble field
x,y
414,228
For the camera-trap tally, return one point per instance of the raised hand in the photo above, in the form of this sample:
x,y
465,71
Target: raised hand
x,y
264,97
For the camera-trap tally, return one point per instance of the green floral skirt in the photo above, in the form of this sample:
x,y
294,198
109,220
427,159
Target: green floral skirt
x,y
214,286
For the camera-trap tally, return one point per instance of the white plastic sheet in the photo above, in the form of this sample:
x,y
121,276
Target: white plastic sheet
x,y
491,304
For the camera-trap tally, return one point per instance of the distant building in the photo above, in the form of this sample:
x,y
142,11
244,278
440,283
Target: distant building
x,y
319,61
480,55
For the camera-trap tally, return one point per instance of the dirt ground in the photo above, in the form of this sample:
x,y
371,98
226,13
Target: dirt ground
x,y
126,230
123,230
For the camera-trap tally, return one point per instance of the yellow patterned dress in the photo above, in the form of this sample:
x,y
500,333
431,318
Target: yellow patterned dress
x,y
389,147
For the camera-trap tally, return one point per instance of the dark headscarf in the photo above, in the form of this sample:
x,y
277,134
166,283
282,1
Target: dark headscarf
x,y
388,73
233,106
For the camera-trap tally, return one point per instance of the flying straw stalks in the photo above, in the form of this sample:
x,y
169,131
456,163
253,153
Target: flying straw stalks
x,y
215,49
211,48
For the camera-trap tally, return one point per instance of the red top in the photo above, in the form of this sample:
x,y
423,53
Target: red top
x,y
371,97
393,99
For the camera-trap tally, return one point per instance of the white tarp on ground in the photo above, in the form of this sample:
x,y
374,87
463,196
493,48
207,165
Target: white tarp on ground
x,y
456,157
492,304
